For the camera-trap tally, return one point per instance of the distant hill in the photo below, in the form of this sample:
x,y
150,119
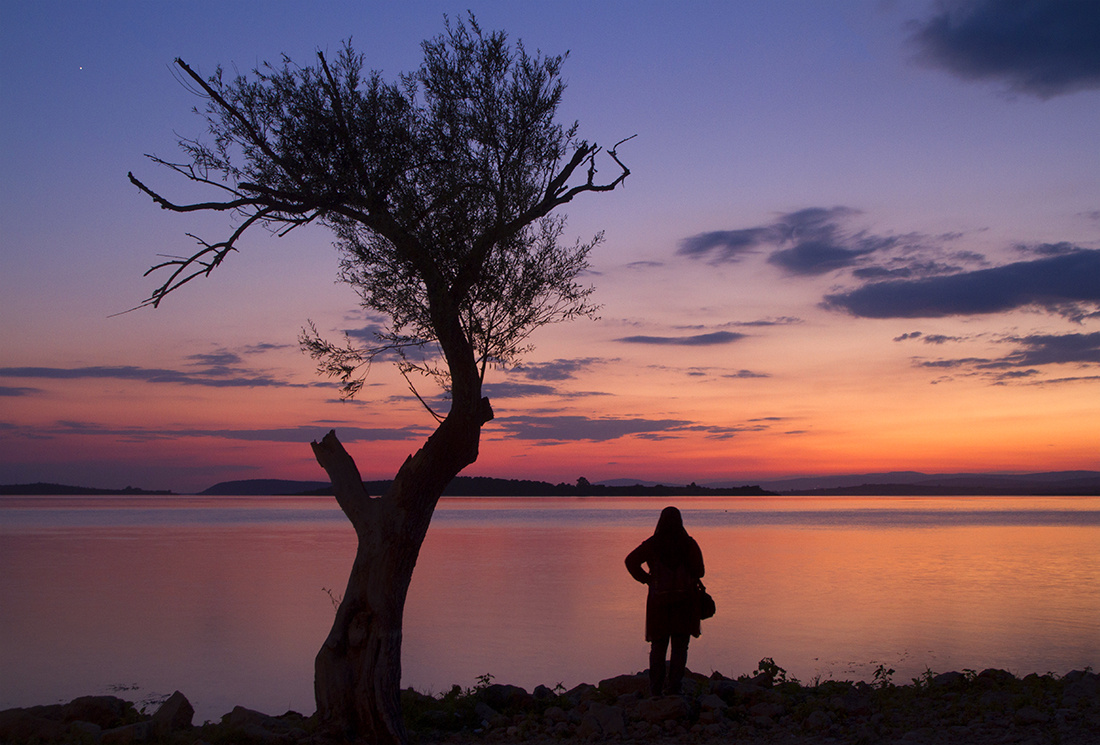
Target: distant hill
x,y
895,483
42,490
483,486
262,487
910,483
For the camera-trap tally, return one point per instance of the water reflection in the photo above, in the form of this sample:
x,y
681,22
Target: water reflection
x,y
223,598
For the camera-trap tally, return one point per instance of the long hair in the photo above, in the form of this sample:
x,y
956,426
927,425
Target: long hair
x,y
670,540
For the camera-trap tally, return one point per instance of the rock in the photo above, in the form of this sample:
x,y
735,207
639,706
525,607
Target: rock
x,y
240,716
663,709
994,677
610,718
1080,684
502,697
1031,715
589,728
131,733
731,690
766,710
582,692
254,733
25,725
89,730
541,693
554,714
818,719
624,684
174,714
104,711
485,713
712,702
249,725
949,680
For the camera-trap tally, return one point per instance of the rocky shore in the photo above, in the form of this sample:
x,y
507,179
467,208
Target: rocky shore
x,y
970,708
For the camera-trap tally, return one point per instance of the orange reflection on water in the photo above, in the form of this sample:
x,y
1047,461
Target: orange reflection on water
x,y
234,612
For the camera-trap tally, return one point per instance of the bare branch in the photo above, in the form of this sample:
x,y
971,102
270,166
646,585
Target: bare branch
x,y
197,262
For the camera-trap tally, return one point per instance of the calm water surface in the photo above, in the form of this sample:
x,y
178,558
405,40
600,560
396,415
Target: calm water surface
x,y
228,599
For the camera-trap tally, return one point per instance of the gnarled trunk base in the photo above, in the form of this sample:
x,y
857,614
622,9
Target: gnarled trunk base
x,y
357,672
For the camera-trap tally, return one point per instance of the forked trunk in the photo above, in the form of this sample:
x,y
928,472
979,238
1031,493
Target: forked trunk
x,y
357,672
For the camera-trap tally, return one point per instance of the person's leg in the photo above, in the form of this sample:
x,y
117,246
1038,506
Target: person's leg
x,y
657,651
678,664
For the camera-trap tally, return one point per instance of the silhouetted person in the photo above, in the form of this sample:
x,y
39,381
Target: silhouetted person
x,y
675,565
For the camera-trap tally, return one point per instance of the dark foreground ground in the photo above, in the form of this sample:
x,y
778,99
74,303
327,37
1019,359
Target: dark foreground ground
x,y
967,708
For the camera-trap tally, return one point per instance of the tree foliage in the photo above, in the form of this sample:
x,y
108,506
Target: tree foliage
x,y
438,188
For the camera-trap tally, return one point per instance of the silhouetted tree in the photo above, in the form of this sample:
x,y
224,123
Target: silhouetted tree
x,y
439,189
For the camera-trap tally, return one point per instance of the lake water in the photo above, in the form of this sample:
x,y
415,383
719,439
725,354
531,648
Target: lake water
x,y
228,599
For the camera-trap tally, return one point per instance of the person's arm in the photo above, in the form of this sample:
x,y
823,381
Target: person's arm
x,y
634,561
697,560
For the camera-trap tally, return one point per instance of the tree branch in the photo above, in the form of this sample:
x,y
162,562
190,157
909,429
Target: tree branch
x,y
254,136
347,484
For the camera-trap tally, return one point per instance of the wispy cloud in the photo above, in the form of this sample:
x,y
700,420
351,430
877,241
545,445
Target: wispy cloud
x,y
220,376
1065,284
728,245
571,428
698,340
1051,349
509,389
745,374
808,242
1040,47
1026,361
16,391
305,433
928,338
563,369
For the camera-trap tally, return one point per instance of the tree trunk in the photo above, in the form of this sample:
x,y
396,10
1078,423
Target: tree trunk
x,y
357,672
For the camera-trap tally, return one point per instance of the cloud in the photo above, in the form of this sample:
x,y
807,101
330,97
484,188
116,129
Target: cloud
x,y
1052,349
1040,47
908,271
305,433
15,391
555,369
698,340
746,374
1066,284
221,359
572,428
215,377
728,245
928,338
508,389
778,321
807,242
1023,363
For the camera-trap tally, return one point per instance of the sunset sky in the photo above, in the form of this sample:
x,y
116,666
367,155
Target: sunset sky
x,y
859,236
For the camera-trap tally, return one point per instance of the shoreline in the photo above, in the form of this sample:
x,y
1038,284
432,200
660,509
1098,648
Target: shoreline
x,y
992,706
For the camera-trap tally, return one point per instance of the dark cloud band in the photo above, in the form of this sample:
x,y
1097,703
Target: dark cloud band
x,y
698,340
1051,283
